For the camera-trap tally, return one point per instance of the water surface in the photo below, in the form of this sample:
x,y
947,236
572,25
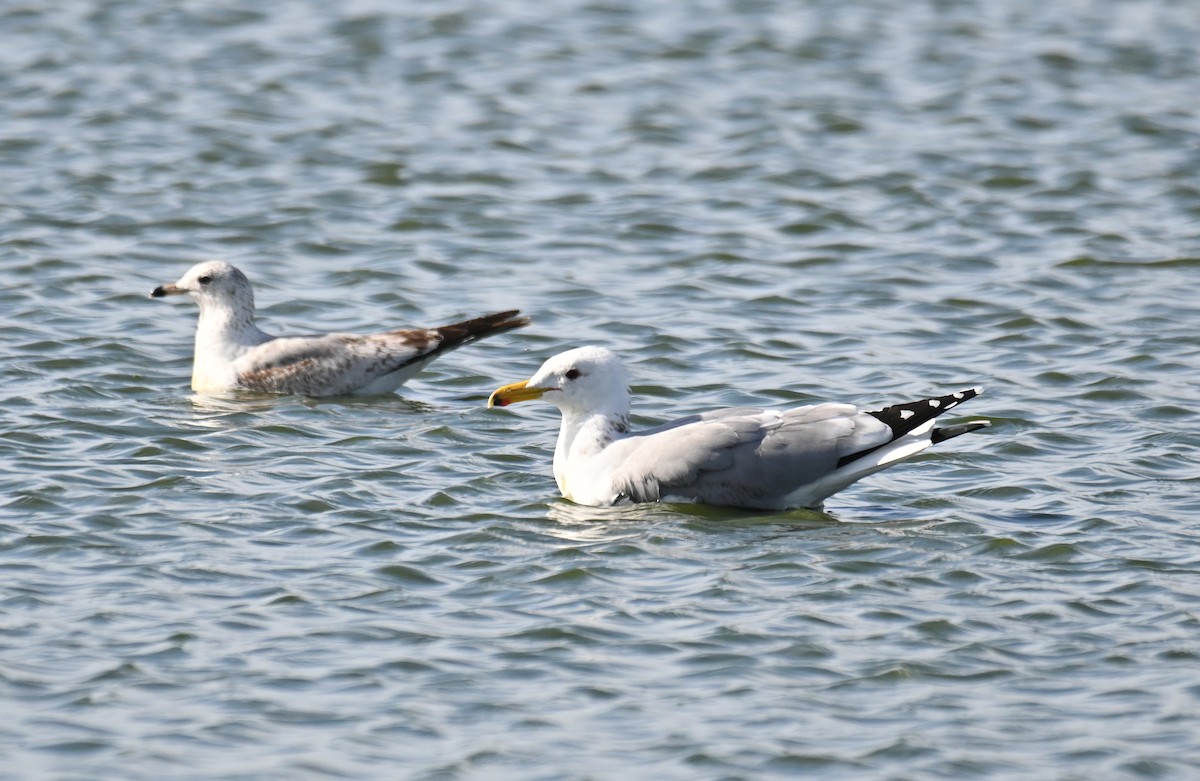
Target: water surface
x,y
755,202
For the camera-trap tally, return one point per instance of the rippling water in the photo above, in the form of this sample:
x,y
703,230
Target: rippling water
x,y
757,202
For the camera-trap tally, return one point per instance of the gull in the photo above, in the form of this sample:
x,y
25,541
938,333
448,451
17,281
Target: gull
x,y
737,457
233,354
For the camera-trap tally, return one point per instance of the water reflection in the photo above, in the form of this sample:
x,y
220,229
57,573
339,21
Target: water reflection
x,y
566,512
218,411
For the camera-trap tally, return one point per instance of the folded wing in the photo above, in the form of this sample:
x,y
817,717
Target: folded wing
x,y
742,457
336,364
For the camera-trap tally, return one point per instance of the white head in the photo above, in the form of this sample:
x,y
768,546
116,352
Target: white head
x,y
212,284
585,380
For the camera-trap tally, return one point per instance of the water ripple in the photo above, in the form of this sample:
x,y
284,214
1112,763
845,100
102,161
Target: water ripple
x,y
757,203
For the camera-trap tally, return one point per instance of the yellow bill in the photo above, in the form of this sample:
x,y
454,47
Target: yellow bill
x,y
511,394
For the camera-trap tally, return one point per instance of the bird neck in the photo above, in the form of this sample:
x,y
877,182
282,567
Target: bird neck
x,y
224,328
223,334
585,434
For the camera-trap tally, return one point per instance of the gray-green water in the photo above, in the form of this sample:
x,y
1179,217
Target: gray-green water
x,y
757,202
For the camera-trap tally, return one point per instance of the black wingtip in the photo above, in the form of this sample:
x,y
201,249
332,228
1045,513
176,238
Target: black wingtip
x,y
903,418
939,435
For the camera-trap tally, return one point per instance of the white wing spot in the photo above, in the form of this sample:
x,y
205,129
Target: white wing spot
x,y
905,414
934,403
958,395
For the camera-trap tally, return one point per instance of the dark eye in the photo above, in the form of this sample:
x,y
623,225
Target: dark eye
x,y
204,280
573,374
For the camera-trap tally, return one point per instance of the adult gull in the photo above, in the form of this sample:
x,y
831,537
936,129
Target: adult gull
x,y
739,457
233,354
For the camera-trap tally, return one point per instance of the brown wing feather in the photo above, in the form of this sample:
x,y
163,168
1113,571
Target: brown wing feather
x,y
458,334
342,363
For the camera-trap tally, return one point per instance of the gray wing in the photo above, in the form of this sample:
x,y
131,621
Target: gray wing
x,y
337,364
743,457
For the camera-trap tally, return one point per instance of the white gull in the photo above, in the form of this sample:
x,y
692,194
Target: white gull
x,y
233,354
739,457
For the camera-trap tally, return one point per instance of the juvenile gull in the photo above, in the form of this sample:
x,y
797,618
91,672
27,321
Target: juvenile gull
x,y
739,457
233,354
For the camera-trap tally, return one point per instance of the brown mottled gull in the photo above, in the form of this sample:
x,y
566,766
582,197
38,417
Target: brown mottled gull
x,y
233,354
741,457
